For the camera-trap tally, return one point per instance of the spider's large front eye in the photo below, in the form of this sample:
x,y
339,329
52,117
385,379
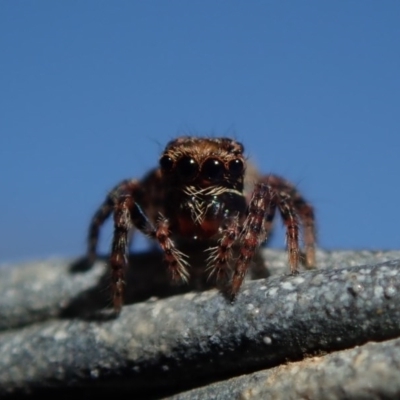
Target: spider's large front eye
x,y
212,169
236,167
187,167
166,163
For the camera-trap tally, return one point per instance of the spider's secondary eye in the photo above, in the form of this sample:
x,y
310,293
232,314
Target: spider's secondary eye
x,y
212,169
166,163
236,167
187,167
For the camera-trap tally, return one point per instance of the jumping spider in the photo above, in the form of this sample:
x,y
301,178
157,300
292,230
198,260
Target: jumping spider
x,y
198,193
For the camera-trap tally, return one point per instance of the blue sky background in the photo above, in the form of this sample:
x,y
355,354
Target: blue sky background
x,y
91,91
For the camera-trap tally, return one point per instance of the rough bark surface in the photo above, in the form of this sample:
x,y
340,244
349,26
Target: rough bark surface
x,y
303,336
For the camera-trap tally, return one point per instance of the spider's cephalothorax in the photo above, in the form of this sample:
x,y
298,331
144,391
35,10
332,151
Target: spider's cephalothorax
x,y
203,185
199,193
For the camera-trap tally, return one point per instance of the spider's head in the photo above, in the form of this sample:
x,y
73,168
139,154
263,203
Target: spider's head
x,y
203,163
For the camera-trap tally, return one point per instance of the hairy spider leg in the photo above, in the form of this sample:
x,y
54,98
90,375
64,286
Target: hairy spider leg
x,y
304,212
220,255
257,226
176,260
292,230
253,233
127,214
104,212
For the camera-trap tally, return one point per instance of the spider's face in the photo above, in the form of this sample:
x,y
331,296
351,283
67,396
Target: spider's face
x,y
203,164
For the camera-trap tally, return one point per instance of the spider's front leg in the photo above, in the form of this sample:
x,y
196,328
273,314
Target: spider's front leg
x,y
258,224
127,213
260,213
118,260
104,212
219,256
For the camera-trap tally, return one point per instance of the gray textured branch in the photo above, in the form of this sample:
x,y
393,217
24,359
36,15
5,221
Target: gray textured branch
x,y
164,346
367,372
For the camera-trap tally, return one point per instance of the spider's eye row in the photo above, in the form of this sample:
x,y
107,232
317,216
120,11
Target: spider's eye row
x,y
166,163
187,167
212,169
236,166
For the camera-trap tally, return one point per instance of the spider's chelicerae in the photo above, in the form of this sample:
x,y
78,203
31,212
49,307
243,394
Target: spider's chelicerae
x,y
200,193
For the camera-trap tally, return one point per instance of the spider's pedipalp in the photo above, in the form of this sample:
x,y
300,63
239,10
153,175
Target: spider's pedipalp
x,y
176,260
